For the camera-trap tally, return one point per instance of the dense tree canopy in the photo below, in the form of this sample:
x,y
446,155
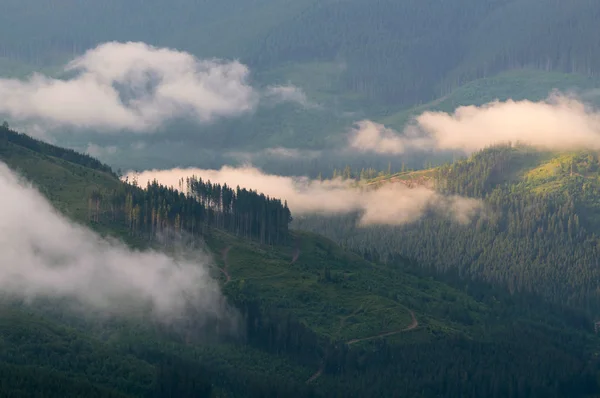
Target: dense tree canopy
x,y
540,232
158,210
320,321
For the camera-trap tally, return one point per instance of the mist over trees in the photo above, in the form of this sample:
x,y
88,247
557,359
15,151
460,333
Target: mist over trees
x,y
158,210
502,305
540,234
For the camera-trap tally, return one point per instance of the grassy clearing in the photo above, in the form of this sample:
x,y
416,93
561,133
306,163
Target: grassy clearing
x,y
327,287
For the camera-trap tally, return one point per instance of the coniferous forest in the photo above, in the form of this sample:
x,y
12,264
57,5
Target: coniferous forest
x,y
205,289
540,232
158,210
310,312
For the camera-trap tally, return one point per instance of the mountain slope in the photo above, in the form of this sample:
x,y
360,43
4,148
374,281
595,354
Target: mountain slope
x,y
392,52
39,33
518,85
311,310
540,233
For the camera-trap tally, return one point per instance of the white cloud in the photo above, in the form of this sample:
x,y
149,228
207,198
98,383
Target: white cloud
x,y
288,93
393,204
135,86
45,255
558,123
368,136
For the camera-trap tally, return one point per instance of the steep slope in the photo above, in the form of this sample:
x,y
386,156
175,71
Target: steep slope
x,y
312,312
542,34
540,233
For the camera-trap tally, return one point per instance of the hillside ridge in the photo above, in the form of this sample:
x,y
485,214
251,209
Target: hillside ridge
x,y
306,304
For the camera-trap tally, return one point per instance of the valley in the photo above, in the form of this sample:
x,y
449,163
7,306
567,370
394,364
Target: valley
x,y
309,306
310,198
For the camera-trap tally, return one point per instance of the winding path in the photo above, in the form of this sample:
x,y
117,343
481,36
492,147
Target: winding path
x,y
317,374
413,325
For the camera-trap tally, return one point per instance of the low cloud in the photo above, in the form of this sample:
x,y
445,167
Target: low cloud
x,y
392,204
288,93
137,87
44,255
368,136
558,123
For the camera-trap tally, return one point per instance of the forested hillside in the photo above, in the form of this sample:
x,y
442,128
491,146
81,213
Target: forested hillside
x,y
158,210
405,52
540,233
317,320
389,52
206,289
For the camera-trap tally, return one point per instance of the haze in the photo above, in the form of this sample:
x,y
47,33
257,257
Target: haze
x,y
394,204
46,255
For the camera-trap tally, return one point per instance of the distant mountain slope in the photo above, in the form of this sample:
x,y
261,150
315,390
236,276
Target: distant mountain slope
x,y
312,312
382,60
40,32
544,34
392,52
315,129
403,52
518,85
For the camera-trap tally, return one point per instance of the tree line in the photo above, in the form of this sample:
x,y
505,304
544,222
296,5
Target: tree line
x,y
7,135
160,211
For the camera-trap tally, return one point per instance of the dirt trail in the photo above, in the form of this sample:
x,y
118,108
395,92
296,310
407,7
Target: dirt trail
x,y
413,325
225,266
317,374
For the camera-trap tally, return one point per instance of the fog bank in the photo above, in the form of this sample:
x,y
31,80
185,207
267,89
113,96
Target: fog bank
x,y
392,204
558,123
44,255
